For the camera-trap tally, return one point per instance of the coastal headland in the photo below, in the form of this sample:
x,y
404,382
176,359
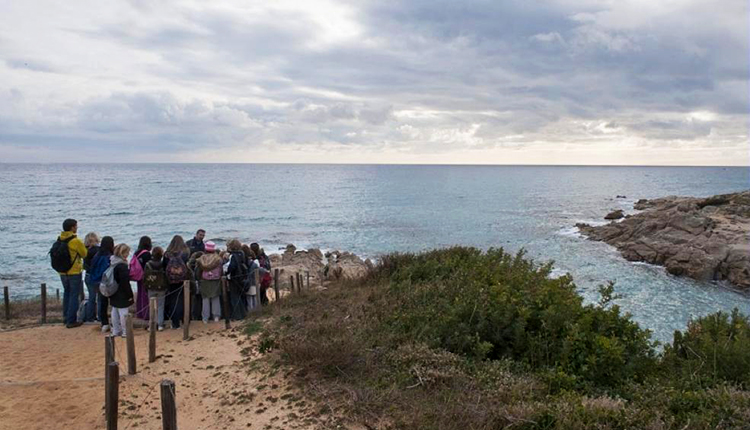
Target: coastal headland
x,y
707,239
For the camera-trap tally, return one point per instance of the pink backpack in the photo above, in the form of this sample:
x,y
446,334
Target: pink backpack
x,y
136,270
213,274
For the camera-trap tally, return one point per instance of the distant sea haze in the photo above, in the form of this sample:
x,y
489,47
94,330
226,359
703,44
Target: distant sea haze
x,y
369,210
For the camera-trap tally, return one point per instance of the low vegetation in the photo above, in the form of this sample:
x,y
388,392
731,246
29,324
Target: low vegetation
x,y
464,339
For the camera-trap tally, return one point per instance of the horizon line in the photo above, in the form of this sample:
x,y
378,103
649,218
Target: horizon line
x,y
370,164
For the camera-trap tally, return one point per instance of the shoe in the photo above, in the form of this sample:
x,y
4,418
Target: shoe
x,y
116,334
205,321
123,335
160,328
74,325
105,328
216,319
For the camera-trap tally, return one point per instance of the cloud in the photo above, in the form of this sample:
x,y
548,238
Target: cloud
x,y
383,80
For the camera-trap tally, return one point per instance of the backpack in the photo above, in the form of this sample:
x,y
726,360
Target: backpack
x,y
60,255
136,270
108,286
213,274
177,270
240,270
98,266
154,279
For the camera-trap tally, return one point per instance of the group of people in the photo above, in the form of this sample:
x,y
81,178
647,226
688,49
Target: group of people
x,y
159,273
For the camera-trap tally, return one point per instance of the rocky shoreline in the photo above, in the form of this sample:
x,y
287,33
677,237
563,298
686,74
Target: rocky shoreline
x,y
707,239
321,267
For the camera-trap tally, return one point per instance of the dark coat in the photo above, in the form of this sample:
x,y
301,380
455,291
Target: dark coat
x,y
123,298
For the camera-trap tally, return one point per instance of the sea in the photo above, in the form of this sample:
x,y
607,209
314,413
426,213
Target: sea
x,y
369,210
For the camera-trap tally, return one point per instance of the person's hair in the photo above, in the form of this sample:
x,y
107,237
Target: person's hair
x,y
262,252
196,255
250,255
255,247
68,224
157,253
234,245
200,230
224,255
108,244
122,250
90,240
246,250
144,243
177,246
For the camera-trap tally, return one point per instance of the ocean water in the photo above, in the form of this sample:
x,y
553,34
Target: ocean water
x,y
369,210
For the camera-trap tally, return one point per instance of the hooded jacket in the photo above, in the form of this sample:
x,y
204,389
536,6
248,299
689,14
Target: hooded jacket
x,y
77,253
123,297
208,262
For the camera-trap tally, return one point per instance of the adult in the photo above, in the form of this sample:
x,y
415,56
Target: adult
x,y
175,264
196,243
237,276
265,272
98,266
67,256
91,242
143,254
208,275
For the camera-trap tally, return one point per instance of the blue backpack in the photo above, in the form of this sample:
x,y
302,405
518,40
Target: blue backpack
x,y
98,267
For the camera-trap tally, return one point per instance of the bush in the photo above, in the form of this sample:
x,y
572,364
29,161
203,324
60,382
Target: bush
x,y
714,348
494,305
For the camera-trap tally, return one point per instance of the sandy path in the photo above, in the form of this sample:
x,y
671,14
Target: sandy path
x,y
52,377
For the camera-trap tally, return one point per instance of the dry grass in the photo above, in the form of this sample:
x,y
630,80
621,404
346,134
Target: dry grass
x,y
28,312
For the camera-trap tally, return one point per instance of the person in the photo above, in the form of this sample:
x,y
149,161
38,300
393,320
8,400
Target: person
x,y
208,275
237,276
67,256
91,242
155,281
175,264
265,272
99,264
143,255
196,243
252,288
122,299
195,295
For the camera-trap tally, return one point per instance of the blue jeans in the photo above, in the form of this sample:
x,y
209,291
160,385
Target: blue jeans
x,y
90,312
103,308
72,286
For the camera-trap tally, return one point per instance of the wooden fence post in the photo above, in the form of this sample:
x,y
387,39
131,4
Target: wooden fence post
x,y
44,304
291,283
276,283
186,316
168,405
152,313
109,357
225,301
113,394
130,337
299,282
307,273
6,295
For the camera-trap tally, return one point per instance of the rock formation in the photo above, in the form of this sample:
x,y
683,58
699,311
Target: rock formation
x,y
334,265
703,238
615,214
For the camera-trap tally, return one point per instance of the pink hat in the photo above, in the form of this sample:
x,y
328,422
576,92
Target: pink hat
x,y
210,246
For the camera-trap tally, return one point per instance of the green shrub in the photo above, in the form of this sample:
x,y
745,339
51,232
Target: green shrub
x,y
495,305
714,348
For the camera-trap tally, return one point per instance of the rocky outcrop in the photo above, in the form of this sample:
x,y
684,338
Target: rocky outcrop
x,y
703,238
618,214
322,268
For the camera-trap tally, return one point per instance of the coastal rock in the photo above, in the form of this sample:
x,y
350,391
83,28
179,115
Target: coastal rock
x,y
615,214
345,265
332,265
702,238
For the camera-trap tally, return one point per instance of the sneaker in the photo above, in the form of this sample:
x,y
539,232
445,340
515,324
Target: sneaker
x,y
216,319
113,334
160,328
123,335
205,321
105,328
74,325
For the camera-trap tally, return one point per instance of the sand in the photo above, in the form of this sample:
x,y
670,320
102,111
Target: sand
x,y
53,377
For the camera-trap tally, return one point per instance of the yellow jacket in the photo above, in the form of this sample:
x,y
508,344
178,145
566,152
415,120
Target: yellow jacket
x,y
77,253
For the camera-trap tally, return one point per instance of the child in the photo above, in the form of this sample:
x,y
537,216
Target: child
x,y
155,281
123,298
208,273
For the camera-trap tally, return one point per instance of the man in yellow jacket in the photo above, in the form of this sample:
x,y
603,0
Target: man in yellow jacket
x,y
72,280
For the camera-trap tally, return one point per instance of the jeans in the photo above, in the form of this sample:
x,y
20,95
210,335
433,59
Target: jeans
x,y
103,305
119,328
252,302
90,312
211,306
160,300
72,286
175,306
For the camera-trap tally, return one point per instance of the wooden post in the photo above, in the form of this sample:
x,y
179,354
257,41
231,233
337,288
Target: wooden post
x,y
299,282
6,294
307,273
130,337
109,357
113,395
186,316
225,301
276,283
168,405
291,283
44,304
57,294
152,313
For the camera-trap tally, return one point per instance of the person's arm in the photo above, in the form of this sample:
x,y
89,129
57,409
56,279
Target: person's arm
x,y
79,248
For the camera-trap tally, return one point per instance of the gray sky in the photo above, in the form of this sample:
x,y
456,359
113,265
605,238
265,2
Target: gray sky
x,y
500,82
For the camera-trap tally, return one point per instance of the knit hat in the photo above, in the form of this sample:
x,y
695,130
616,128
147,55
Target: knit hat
x,y
210,246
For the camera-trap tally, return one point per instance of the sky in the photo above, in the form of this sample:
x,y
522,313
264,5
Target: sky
x,y
621,82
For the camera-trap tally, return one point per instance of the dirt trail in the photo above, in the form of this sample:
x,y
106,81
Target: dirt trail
x,y
52,377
